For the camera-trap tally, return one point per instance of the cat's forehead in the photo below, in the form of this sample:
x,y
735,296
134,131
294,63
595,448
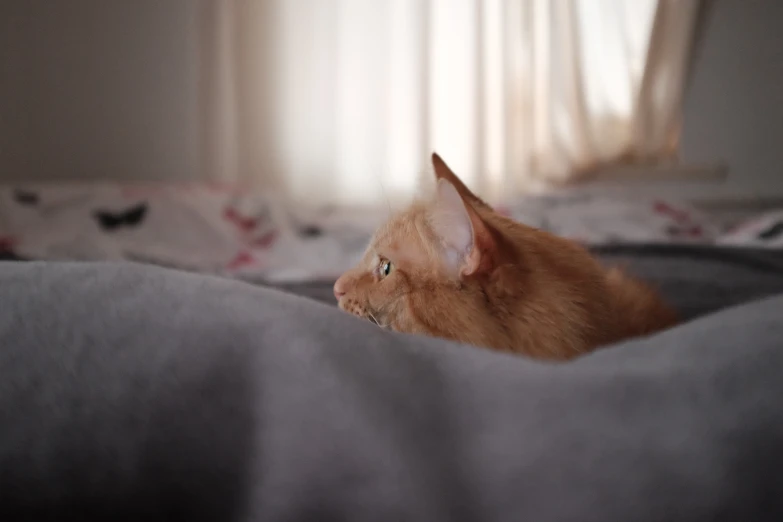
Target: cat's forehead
x,y
402,234
400,227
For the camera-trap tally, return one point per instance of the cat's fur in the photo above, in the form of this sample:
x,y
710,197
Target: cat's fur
x,y
461,271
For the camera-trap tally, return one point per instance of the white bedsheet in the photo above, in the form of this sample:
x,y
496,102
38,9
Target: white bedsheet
x,y
218,229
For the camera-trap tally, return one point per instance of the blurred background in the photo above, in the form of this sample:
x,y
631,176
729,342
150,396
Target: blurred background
x,y
269,137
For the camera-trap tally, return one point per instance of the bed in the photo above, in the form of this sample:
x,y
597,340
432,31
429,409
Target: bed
x,y
229,387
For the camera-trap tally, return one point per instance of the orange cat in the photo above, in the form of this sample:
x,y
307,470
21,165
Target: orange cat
x,y
454,268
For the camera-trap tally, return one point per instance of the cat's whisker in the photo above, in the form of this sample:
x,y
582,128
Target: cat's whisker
x,y
374,320
385,196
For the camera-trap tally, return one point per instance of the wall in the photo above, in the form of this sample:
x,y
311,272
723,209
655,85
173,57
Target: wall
x,y
68,70
734,106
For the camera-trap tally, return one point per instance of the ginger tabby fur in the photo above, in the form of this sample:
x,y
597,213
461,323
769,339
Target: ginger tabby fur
x,y
454,268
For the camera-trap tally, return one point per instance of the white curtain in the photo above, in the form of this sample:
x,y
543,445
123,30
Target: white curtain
x,y
342,101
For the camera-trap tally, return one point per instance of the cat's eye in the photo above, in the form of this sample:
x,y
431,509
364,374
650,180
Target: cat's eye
x,y
386,268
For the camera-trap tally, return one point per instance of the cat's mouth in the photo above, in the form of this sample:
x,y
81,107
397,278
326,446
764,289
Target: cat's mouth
x,y
363,312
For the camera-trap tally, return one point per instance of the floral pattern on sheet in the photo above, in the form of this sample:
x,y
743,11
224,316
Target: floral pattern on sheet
x,y
226,230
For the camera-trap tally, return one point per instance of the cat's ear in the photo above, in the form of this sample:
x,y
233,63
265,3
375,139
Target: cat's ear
x,y
466,241
442,171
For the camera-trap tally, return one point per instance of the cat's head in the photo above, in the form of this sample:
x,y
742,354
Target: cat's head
x,y
425,270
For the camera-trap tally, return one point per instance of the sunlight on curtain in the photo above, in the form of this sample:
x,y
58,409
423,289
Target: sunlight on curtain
x,y
342,101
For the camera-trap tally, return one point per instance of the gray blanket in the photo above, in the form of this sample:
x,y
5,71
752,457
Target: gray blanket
x,y
136,393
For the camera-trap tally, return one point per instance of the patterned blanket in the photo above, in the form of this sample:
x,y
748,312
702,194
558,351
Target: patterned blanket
x,y
221,229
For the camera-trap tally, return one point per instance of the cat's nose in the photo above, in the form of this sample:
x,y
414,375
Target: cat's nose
x,y
339,289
